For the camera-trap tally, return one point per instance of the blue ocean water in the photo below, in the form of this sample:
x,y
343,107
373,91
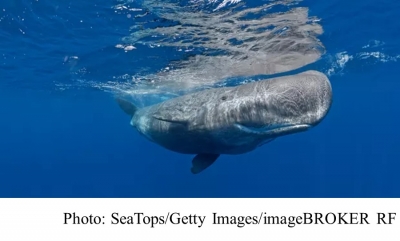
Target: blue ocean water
x,y
64,135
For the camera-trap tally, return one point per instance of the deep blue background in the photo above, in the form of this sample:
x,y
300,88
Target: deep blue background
x,y
78,143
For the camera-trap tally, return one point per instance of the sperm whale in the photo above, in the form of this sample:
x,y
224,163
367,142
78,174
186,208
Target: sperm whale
x,y
234,120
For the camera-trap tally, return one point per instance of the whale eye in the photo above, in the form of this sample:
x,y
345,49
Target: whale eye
x,y
223,98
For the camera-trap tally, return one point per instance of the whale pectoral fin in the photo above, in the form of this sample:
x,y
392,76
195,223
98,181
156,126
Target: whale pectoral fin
x,y
126,106
201,161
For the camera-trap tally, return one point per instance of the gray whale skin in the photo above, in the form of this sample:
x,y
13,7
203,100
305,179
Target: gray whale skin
x,y
234,120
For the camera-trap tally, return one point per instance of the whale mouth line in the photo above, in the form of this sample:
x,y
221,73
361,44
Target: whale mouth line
x,y
274,130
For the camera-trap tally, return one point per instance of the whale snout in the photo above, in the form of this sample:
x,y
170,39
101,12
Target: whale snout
x,y
317,97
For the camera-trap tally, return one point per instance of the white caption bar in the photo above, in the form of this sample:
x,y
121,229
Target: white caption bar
x,y
199,219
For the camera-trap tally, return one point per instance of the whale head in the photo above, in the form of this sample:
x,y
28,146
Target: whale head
x,y
283,105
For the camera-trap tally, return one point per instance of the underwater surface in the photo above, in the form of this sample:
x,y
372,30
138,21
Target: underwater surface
x,y
63,62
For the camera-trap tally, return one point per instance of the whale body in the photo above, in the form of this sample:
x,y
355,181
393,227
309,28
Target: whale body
x,y
234,120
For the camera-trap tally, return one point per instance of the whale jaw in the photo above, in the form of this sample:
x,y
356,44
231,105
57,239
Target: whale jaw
x,y
276,131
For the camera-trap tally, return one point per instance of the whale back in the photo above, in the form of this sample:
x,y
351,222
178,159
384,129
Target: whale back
x,y
302,98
